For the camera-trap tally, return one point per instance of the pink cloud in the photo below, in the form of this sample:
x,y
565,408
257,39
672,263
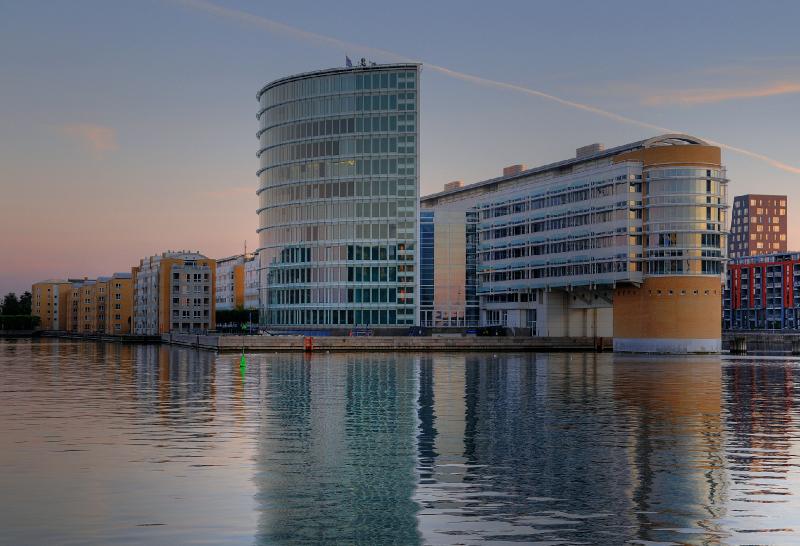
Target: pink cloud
x,y
97,138
706,96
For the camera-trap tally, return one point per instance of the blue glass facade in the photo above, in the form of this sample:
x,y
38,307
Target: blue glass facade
x,y
448,288
338,197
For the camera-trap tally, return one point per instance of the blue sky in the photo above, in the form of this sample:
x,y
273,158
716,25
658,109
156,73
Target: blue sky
x,y
128,128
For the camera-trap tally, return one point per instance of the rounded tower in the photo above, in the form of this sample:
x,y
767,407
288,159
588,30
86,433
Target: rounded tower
x,y
338,197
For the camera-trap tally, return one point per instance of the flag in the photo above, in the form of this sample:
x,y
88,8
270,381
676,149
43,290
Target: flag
x,y
348,62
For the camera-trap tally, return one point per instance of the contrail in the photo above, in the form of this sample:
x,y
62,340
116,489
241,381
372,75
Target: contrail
x,y
344,46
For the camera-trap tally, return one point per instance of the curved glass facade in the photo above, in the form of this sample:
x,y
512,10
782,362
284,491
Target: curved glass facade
x,y
684,220
338,197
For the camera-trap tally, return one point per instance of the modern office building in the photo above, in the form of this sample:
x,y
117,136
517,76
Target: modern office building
x,y
235,283
626,242
762,293
448,285
758,225
338,191
49,302
174,292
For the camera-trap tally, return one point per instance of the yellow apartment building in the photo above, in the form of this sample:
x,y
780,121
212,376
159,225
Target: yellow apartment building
x,y
49,302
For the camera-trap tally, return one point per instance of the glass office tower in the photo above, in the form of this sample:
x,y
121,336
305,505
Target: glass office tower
x,y
338,197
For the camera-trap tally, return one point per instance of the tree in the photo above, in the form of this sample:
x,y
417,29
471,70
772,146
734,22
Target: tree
x,y
10,305
25,303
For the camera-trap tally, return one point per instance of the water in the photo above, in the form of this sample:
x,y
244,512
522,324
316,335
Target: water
x,y
125,444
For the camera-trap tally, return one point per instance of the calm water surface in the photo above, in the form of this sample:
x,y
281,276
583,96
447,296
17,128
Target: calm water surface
x,y
126,444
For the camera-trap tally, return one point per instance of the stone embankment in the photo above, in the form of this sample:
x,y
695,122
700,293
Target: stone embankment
x,y
755,342
386,343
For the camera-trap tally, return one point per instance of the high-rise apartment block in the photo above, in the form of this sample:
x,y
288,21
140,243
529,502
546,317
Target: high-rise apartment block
x,y
626,242
174,292
338,191
758,225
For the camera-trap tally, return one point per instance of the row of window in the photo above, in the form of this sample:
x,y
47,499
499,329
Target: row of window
x,y
336,105
302,275
613,265
337,169
336,189
283,134
399,295
331,148
574,193
190,277
344,317
587,242
686,186
566,220
346,82
351,210
685,172
341,231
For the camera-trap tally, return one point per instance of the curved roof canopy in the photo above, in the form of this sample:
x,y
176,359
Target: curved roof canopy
x,y
673,139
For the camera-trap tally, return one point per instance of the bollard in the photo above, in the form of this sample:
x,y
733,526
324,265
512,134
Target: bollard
x,y
309,344
795,346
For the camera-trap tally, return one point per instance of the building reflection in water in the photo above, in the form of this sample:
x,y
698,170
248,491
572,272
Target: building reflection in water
x,y
337,450
568,448
674,446
153,444
761,425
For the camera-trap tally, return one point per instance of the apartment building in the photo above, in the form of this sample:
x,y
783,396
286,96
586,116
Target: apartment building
x,y
758,225
82,308
762,293
237,282
49,302
98,306
627,242
115,303
252,284
174,292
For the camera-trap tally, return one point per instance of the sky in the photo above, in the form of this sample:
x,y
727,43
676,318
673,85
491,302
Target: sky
x,y
128,128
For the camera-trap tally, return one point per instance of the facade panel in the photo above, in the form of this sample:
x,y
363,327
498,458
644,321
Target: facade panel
x,y
448,293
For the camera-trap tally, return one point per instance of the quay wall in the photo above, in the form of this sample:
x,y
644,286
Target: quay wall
x,y
754,342
234,343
